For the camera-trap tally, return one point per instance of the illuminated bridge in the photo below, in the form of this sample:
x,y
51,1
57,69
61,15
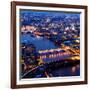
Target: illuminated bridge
x,y
56,54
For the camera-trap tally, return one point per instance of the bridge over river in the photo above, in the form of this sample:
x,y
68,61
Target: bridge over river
x,y
57,54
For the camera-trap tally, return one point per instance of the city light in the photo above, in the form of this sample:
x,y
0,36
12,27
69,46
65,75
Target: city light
x,y
50,43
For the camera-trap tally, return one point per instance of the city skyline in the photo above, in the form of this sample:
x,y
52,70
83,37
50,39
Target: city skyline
x,y
49,39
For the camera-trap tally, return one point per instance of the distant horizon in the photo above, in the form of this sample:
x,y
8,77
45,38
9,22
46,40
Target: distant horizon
x,y
56,13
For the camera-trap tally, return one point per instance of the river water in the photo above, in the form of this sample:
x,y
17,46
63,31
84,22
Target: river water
x,y
39,42
69,71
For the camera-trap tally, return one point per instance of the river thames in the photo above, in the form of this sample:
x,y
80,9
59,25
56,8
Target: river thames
x,y
43,44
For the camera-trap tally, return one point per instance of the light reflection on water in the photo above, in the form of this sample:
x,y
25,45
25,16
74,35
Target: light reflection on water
x,y
67,71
